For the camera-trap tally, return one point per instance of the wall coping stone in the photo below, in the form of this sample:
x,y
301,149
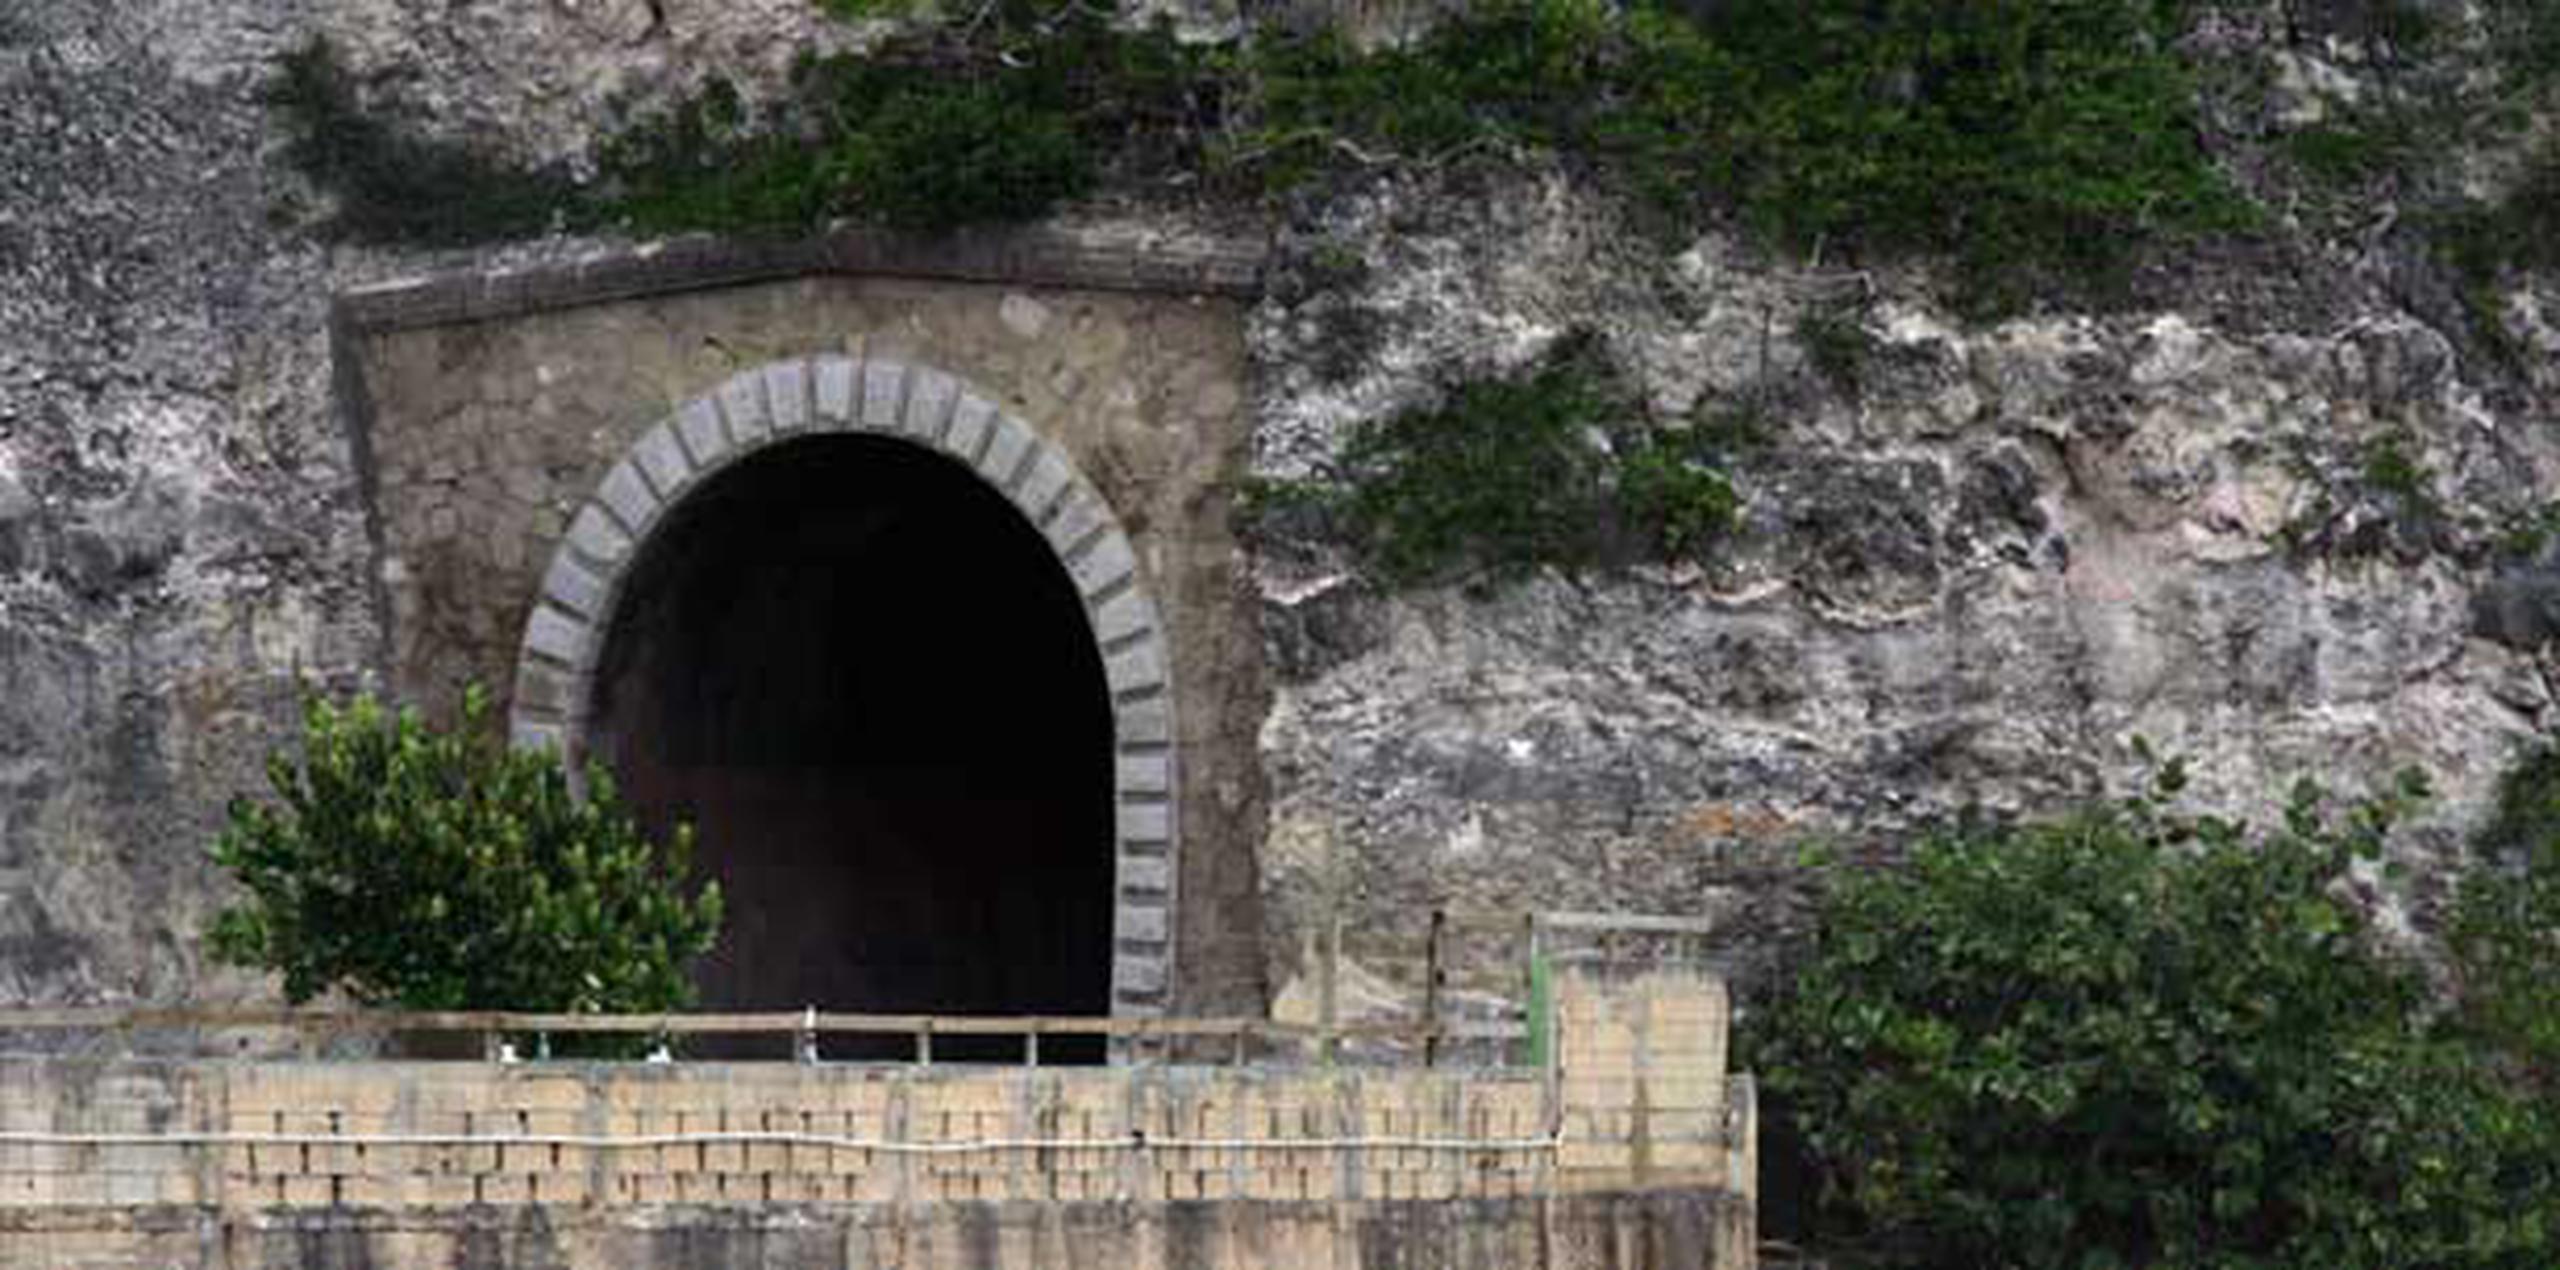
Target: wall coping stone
x,y
1041,256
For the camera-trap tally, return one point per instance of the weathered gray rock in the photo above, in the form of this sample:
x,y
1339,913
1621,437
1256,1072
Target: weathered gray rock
x,y
18,511
179,543
2519,606
1975,581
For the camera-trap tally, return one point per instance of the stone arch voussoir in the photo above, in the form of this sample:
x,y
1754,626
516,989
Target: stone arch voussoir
x,y
564,635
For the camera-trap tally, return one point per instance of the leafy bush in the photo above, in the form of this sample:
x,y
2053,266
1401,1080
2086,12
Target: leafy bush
x,y
2485,241
2515,231
1556,467
998,120
708,163
2526,34
2505,932
2344,155
440,870
2135,1038
1506,473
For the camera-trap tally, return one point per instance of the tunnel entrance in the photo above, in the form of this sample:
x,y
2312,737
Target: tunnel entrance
x,y
871,687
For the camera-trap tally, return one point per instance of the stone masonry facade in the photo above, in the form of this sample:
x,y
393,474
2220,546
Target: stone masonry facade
x,y
525,436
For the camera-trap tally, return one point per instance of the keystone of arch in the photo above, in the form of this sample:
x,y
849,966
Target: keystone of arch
x,y
565,634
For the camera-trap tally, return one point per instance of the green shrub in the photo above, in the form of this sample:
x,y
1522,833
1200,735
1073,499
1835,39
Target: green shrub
x,y
2484,240
707,163
932,129
2526,35
2522,535
2505,932
1507,473
936,127
434,870
2347,153
1670,493
1555,467
2010,134
861,10
2134,1038
1506,75
973,153
2389,467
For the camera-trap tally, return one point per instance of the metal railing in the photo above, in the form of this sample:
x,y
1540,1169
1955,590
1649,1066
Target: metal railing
x,y
1514,978
1238,1040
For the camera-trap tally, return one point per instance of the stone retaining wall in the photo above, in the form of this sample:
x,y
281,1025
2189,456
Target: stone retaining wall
x,y
1676,1228
179,1162
520,434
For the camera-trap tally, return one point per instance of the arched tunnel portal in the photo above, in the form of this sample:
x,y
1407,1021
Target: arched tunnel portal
x,y
891,657
864,679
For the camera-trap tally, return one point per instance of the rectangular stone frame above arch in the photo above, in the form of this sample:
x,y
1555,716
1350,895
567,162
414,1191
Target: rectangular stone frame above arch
x,y
495,416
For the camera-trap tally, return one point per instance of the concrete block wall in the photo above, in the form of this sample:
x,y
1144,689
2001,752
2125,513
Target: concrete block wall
x,y
134,1162
1643,1093
303,1135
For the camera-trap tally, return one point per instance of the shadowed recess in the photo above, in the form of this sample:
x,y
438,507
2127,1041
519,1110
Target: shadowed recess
x,y
870,686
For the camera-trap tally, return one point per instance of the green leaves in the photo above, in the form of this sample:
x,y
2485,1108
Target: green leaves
x,y
431,870
2130,1037
2505,931
2026,140
1555,467
2019,135
929,129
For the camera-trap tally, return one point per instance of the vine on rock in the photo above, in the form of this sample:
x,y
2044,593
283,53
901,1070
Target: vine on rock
x,y
2024,140
1557,467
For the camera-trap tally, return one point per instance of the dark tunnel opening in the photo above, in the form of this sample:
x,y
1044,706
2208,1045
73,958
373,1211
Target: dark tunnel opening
x,y
868,683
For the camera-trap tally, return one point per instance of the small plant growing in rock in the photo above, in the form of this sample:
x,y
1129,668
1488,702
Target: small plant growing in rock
x,y
1507,473
1555,467
2390,468
1838,345
2524,534
440,870
1683,505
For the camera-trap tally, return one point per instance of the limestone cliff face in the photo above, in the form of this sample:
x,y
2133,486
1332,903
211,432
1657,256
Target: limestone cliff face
x,y
175,536
1971,581
181,537
2257,515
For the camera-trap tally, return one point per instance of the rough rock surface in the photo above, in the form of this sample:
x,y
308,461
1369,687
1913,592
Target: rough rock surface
x,y
181,542
2257,517
2263,535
